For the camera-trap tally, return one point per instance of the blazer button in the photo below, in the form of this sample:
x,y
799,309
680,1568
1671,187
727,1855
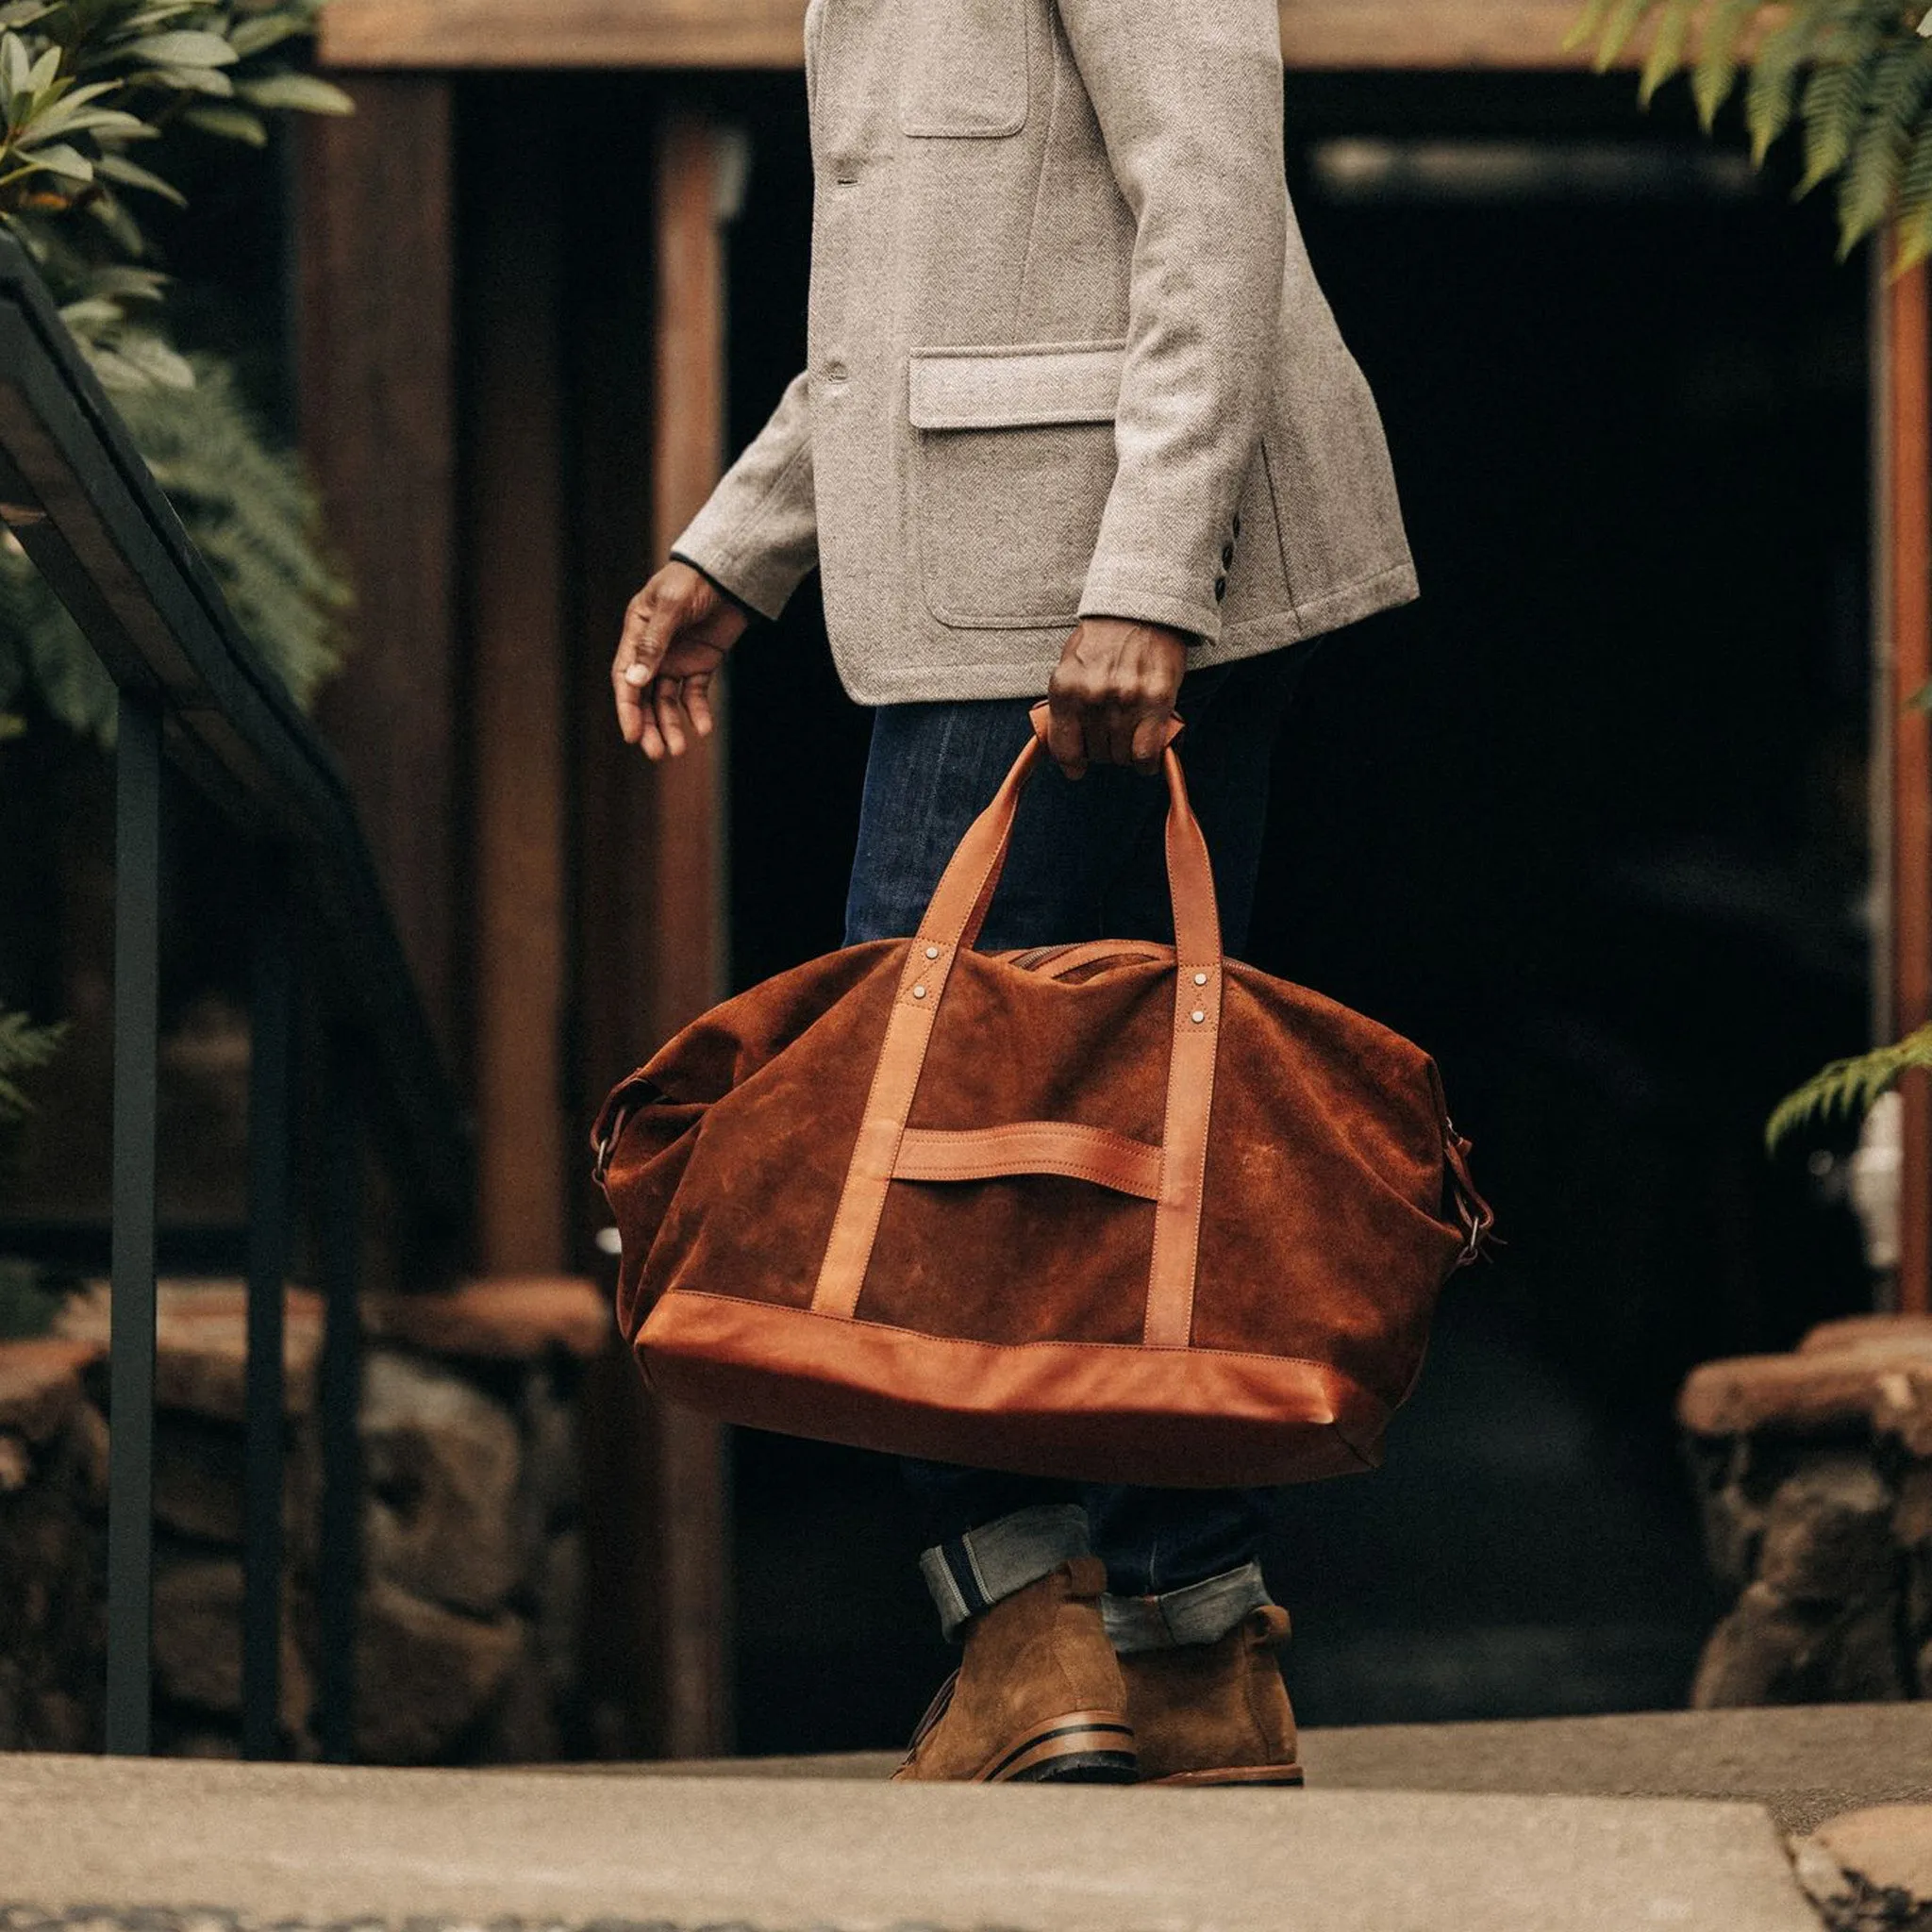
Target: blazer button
x,y
1226,555
1237,522
1219,588
836,370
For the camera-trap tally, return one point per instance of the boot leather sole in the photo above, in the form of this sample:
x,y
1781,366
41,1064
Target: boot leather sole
x,y
1082,1747
1085,1747
1280,1774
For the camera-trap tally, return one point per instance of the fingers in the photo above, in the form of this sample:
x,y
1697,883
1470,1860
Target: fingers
x,y
675,632
1149,742
1102,727
628,698
1066,732
698,703
668,705
1120,721
663,619
1113,692
649,625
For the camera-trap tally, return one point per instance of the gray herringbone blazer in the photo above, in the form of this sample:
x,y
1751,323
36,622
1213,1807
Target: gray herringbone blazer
x,y
1067,354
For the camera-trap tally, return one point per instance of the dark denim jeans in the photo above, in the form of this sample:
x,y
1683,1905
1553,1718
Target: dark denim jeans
x,y
1086,862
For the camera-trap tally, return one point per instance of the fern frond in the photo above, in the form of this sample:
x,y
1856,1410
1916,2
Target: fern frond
x,y
1625,17
1719,55
1870,184
1835,102
1913,212
1771,96
1667,47
1589,24
24,1047
1847,1087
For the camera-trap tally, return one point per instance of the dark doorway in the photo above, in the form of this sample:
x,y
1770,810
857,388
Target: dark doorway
x,y
1588,822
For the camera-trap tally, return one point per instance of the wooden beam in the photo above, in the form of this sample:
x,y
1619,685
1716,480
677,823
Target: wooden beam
x,y
1908,382
770,33
517,680
375,270
689,968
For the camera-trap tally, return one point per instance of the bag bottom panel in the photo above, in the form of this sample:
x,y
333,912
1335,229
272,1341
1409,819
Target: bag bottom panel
x,y
1171,1418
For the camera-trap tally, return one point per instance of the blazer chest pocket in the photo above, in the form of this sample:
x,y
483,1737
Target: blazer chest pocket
x,y
1013,456
965,74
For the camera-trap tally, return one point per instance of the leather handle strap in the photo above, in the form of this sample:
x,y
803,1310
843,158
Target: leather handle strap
x,y
960,902
952,924
1062,1147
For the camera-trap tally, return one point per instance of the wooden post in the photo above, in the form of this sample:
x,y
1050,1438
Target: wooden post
x,y
1908,494
517,680
689,960
376,278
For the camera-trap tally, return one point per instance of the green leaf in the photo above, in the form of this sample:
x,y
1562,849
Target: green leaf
x,y
146,19
107,208
187,48
1667,48
1625,17
16,66
69,163
119,168
134,284
302,92
92,313
193,80
1870,183
1772,92
23,1048
1834,101
1847,1087
156,360
230,124
79,96
1589,24
266,30
17,13
110,122
1715,74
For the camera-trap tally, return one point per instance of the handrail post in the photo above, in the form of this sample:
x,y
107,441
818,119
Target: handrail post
x,y
131,1364
270,1121
338,1399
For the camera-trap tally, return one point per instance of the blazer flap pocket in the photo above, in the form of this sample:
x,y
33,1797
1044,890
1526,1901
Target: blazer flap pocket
x,y
1012,389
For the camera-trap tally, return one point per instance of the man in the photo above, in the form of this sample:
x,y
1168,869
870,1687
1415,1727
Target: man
x,y
1076,420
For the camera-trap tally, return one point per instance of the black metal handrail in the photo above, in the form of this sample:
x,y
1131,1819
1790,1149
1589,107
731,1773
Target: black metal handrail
x,y
193,692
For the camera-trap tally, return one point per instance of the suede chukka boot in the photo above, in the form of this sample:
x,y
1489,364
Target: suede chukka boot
x,y
1215,1713
1038,1697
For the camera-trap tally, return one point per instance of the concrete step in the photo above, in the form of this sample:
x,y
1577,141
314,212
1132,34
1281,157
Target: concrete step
x,y
180,1846
1803,1764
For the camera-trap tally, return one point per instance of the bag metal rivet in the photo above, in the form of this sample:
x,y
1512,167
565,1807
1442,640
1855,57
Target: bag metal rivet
x,y
932,951
919,992
1197,1016
1200,980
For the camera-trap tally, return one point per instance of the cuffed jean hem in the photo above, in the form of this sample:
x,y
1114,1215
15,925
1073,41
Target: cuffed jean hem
x,y
1200,1613
973,1572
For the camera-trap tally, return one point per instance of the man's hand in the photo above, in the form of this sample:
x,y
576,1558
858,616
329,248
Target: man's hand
x,y
677,631
1113,692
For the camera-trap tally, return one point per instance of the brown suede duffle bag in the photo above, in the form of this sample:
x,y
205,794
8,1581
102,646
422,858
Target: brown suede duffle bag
x,y
1115,1211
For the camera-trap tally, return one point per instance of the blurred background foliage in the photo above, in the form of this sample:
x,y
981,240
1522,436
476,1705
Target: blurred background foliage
x,y
101,101
1852,79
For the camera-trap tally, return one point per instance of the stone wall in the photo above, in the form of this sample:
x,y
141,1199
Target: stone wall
x,y
467,1639
1815,1475
53,1549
